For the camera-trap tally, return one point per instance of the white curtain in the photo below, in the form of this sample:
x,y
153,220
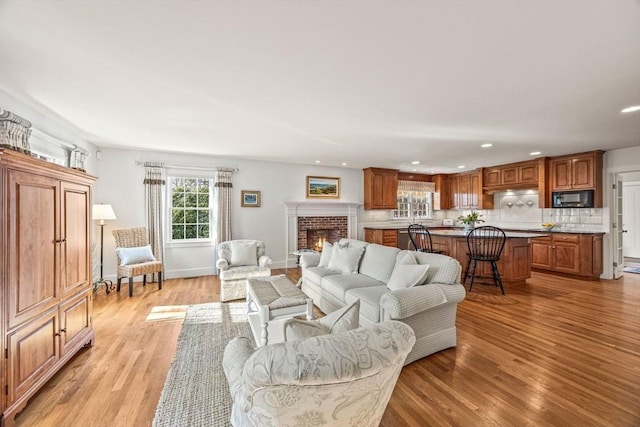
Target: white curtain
x,y
223,187
154,182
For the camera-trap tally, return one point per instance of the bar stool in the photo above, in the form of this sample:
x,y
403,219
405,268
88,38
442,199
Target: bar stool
x,y
485,244
421,238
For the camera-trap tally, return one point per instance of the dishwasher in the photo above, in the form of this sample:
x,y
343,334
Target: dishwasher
x,y
404,242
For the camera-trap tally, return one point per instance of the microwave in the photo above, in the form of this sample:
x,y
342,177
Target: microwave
x,y
572,199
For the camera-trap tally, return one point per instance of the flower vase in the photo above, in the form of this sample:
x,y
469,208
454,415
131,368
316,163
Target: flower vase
x,y
469,226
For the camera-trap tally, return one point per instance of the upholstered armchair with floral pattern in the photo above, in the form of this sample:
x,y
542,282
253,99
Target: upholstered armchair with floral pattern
x,y
342,379
239,260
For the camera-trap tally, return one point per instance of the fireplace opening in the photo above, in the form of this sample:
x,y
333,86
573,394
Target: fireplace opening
x,y
315,238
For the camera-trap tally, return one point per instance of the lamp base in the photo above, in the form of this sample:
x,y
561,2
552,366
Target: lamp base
x,y
108,285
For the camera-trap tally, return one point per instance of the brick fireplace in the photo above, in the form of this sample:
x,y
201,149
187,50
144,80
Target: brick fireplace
x,y
310,222
313,230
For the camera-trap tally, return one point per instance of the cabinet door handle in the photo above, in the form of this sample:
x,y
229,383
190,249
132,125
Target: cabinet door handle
x,y
61,241
63,330
57,334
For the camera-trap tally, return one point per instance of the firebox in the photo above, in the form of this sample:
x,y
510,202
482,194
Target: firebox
x,y
314,231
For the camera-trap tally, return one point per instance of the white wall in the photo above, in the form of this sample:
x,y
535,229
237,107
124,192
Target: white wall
x,y
120,184
616,161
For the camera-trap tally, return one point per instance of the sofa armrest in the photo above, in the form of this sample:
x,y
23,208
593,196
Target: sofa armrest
x,y
264,261
309,260
236,354
403,303
222,264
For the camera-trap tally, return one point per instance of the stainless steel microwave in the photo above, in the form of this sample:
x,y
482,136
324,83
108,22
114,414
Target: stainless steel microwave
x,y
572,199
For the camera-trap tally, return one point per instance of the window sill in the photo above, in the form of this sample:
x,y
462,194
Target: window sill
x,y
189,244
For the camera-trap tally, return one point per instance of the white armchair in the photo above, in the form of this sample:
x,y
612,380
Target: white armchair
x,y
343,379
239,260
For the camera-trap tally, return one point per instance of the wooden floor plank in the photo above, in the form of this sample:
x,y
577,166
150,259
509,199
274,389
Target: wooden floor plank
x,y
552,352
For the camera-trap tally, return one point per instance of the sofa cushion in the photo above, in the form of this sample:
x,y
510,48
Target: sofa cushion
x,y
378,262
369,301
315,274
234,273
337,284
345,259
325,256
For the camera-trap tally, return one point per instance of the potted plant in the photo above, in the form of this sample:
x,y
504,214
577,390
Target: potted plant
x,y
469,220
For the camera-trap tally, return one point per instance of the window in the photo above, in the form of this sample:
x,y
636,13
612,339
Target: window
x,y
190,212
414,200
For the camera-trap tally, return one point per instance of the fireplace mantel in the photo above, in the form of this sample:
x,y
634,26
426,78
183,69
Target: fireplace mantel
x,y
320,208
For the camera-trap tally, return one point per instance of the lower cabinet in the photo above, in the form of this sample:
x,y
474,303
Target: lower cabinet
x,y
381,236
576,254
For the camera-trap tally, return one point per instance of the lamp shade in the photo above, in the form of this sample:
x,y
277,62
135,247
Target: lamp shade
x,y
102,212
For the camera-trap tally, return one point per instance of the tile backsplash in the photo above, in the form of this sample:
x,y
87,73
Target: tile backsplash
x,y
518,209
521,209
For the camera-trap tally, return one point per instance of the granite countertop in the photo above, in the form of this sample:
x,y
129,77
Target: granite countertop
x,y
533,230
509,234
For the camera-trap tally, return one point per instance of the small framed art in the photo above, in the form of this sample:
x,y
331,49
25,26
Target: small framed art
x,y
250,199
323,187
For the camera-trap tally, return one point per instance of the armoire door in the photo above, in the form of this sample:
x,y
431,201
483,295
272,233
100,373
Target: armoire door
x,y
34,246
75,232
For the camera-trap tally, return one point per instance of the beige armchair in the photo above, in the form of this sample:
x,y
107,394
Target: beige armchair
x,y
343,379
239,260
135,257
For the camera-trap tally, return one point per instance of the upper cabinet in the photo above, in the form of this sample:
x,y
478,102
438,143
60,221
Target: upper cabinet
x,y
443,197
577,172
513,175
380,188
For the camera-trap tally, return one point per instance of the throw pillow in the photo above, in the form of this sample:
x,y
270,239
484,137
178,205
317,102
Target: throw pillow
x,y
407,276
406,258
344,319
325,256
243,253
345,260
135,255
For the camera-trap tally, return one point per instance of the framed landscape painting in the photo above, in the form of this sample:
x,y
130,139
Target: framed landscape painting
x,y
250,199
323,187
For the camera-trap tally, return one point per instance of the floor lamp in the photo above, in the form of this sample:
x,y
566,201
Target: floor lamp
x,y
102,212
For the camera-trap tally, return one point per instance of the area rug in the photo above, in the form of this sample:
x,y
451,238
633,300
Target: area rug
x,y
632,270
195,392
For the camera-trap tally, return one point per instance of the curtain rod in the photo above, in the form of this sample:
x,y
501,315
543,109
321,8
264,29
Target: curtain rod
x,y
200,168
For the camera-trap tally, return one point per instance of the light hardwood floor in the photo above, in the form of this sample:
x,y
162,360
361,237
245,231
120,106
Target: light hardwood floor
x,y
554,352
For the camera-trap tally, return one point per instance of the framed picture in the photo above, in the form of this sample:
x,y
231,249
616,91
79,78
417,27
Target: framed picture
x,y
323,187
250,199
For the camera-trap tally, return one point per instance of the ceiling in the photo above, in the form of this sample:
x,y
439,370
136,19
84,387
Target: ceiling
x,y
366,83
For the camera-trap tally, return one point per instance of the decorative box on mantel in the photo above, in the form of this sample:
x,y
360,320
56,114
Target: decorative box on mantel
x,y
296,210
14,132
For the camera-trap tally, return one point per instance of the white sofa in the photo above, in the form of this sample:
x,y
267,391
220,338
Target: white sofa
x,y
429,308
342,379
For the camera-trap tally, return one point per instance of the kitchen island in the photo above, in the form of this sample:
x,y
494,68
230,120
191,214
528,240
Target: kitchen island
x,y
515,262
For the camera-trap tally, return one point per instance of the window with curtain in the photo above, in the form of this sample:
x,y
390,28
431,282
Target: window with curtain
x,y
414,200
190,203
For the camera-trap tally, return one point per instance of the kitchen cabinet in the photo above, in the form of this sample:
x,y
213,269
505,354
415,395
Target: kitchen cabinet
x,y
514,175
380,188
386,237
443,198
574,254
467,190
46,247
576,172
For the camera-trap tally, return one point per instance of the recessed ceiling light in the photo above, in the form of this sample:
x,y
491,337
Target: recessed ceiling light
x,y
344,163
534,153
461,167
317,161
486,145
415,162
631,109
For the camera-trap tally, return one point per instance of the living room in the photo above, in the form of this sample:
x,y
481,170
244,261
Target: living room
x,y
116,159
